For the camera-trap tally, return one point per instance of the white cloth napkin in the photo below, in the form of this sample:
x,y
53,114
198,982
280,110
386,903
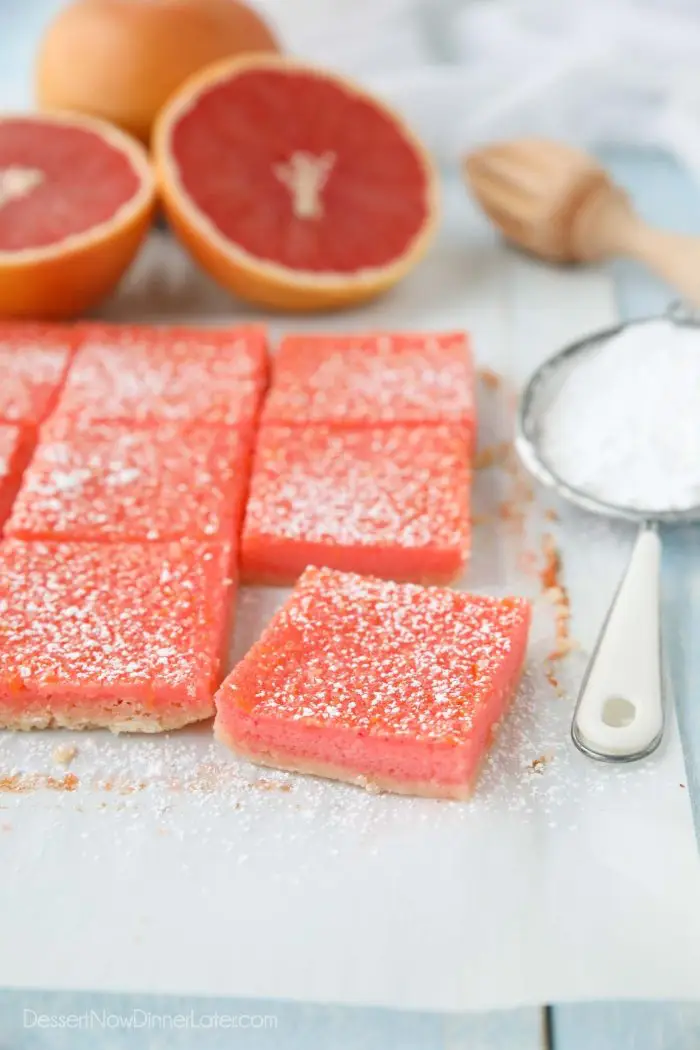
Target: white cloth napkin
x,y
466,71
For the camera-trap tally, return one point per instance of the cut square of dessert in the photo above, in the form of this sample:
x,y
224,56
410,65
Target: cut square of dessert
x,y
34,359
109,482
16,445
126,636
351,380
144,375
382,501
390,686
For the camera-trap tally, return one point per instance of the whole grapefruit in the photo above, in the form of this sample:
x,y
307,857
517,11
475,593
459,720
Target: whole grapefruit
x,y
76,200
293,187
121,59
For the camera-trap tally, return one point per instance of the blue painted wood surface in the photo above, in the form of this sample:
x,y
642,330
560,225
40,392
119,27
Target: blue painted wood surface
x,y
665,195
137,1022
635,1026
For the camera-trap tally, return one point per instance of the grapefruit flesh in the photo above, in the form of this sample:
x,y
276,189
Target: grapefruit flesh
x,y
293,187
76,200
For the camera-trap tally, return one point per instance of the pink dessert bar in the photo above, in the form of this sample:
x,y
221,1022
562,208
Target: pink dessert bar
x,y
383,501
125,636
109,482
15,449
34,359
145,375
352,380
390,686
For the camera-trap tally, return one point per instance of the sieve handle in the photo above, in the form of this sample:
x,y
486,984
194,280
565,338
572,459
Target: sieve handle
x,y
619,716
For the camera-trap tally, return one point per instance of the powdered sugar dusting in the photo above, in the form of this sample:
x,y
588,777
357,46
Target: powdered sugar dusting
x,y
397,378
140,375
105,481
82,622
395,487
623,424
33,363
377,657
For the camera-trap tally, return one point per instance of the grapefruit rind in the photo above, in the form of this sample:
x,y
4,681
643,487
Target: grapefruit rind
x,y
255,279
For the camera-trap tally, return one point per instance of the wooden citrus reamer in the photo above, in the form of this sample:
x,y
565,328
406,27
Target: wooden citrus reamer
x,y
560,204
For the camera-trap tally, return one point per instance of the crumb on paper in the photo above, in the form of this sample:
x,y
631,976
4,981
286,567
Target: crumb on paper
x,y
554,590
492,455
63,754
119,786
263,784
482,519
538,764
549,574
515,509
8,827
23,783
492,380
511,510
682,785
551,514
553,680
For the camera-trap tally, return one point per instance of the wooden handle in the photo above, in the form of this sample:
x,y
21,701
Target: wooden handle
x,y
606,226
675,258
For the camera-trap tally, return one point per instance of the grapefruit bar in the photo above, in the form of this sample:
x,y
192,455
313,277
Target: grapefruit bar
x,y
390,686
34,360
383,501
126,636
109,482
146,375
15,449
354,380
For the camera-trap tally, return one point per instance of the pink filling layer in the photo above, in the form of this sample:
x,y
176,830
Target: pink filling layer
x,y
266,560
392,758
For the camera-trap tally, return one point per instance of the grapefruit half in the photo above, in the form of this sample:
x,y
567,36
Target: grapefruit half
x,y
76,199
291,186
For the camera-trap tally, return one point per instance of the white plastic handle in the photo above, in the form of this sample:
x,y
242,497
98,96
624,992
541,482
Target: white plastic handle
x,y
620,710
